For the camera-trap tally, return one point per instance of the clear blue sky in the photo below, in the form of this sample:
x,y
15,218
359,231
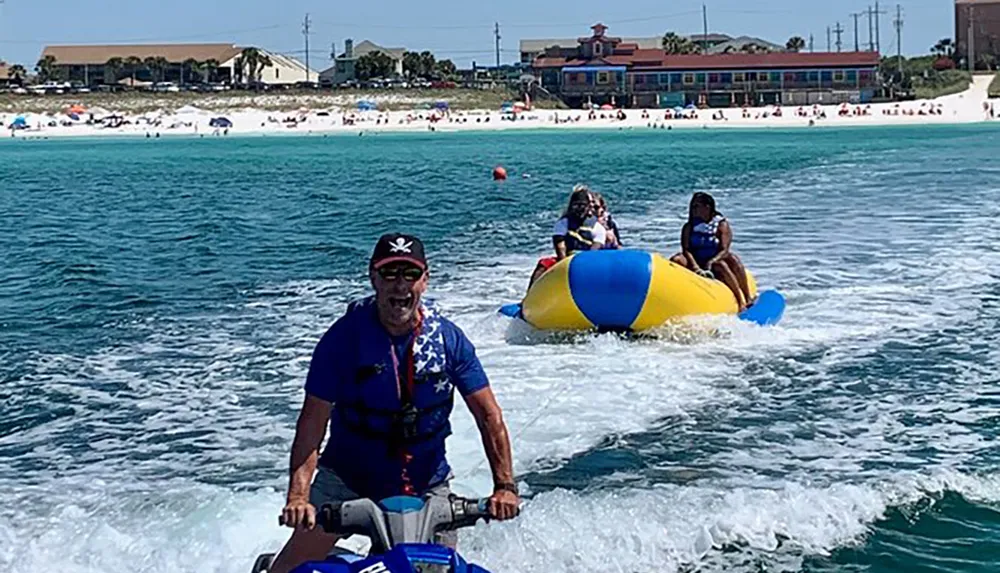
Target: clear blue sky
x,y
458,29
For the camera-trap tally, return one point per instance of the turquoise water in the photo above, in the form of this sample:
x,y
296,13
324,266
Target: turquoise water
x,y
160,300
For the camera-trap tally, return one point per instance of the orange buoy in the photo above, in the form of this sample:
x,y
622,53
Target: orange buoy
x,y
499,173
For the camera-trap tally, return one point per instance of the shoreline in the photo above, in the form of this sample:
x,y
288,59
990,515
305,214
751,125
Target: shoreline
x,y
969,107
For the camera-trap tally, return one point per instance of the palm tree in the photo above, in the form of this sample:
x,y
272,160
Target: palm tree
x,y
133,63
189,68
426,64
674,44
795,44
17,73
46,68
162,65
151,64
112,68
445,69
411,64
251,59
239,66
208,68
263,61
944,47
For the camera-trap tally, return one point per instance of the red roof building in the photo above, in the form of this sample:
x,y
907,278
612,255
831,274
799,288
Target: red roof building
x,y
606,70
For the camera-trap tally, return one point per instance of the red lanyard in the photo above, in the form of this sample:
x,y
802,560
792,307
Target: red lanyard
x,y
406,400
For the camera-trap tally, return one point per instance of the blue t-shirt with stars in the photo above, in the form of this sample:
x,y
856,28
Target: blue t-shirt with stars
x,y
362,461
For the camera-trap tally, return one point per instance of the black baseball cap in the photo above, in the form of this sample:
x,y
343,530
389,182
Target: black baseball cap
x,y
397,247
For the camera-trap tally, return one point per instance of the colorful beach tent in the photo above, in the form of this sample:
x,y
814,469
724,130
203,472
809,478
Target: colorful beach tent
x,y
220,122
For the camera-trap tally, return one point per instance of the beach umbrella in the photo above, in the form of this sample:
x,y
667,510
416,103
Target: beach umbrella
x,y
442,105
607,106
365,106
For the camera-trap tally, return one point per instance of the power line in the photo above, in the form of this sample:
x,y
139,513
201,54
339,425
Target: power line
x,y
480,26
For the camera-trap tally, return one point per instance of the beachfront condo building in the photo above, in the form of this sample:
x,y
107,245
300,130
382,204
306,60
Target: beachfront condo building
x,y
603,69
145,64
980,21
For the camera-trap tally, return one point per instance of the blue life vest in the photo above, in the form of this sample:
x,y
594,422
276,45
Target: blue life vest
x,y
417,421
704,239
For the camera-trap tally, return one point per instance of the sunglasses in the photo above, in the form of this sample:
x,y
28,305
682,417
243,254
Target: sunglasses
x,y
409,274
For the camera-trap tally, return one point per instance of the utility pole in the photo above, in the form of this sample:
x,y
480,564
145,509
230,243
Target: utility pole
x,y
305,32
857,46
704,22
878,44
810,43
871,32
839,30
972,40
898,23
496,35
828,39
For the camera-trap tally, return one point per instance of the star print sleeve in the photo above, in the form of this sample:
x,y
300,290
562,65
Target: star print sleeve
x,y
466,372
324,372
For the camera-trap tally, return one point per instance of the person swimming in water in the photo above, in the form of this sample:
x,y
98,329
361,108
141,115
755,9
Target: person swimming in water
x,y
577,230
706,240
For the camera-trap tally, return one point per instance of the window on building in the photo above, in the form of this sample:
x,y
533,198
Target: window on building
x,y
700,78
688,79
776,77
814,76
640,79
597,48
801,76
713,78
838,75
726,78
852,75
603,77
677,78
664,79
277,73
739,77
789,77
826,76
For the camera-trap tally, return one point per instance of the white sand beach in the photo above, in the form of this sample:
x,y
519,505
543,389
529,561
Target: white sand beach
x,y
970,106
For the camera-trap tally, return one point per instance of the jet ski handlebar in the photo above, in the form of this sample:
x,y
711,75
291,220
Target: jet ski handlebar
x,y
363,515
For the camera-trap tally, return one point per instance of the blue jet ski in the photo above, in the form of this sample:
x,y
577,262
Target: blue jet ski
x,y
402,530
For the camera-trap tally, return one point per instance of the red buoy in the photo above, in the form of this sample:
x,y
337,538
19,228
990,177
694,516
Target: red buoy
x,y
499,173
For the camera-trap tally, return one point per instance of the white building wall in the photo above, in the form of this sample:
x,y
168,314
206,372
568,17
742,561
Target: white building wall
x,y
283,70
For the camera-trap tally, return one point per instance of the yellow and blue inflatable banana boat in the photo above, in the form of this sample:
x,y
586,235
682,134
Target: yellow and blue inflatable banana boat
x,y
630,290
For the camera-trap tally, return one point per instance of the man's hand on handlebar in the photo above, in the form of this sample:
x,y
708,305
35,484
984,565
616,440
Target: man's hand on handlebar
x,y
298,513
503,505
